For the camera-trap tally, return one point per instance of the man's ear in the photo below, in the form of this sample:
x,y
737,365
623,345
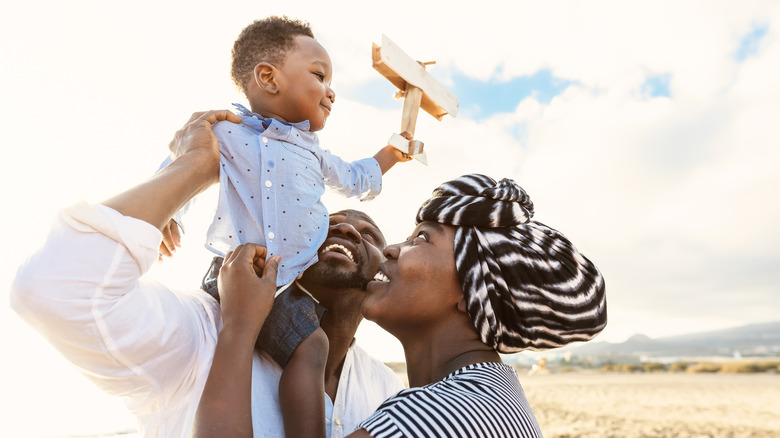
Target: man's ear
x,y
265,77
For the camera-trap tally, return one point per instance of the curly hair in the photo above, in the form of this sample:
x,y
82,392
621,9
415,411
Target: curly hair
x,y
268,39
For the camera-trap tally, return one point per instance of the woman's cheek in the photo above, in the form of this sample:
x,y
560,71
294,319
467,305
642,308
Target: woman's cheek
x,y
371,307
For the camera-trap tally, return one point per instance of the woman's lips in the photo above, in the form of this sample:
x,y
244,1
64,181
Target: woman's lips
x,y
380,276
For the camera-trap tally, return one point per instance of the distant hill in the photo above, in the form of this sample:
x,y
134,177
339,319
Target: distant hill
x,y
748,340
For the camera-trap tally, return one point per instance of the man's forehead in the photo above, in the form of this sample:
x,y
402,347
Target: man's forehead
x,y
356,217
352,216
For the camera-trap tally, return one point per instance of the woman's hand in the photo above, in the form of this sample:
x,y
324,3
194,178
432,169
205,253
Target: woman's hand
x,y
247,285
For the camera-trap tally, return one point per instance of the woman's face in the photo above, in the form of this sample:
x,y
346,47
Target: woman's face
x,y
418,285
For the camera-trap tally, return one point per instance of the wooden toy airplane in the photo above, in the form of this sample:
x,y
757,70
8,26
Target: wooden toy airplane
x,y
419,90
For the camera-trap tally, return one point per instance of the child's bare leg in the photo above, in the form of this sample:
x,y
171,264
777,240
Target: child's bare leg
x,y
302,388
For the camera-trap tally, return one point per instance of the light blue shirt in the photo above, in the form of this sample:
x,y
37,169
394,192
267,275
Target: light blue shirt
x,y
272,178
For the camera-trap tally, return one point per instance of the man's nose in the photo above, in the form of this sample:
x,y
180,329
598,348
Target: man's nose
x,y
345,230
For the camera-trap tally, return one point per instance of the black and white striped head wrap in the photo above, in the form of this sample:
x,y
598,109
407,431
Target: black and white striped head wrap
x,y
526,286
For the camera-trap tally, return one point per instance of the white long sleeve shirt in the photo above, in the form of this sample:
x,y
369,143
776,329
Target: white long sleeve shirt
x,y
136,338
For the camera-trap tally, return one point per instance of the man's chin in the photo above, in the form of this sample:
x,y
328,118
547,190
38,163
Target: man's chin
x,y
325,274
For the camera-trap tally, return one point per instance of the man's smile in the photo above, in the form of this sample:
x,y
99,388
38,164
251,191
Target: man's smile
x,y
340,249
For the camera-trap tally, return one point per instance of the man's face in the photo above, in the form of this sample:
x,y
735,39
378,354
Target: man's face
x,y
350,255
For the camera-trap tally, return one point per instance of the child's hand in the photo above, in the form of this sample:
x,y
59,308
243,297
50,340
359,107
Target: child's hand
x,y
171,239
388,156
247,285
401,156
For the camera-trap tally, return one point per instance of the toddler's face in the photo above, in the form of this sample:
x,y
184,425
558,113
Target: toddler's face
x,y
304,84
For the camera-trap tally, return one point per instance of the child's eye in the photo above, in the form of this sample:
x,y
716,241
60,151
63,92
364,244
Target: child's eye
x,y
320,76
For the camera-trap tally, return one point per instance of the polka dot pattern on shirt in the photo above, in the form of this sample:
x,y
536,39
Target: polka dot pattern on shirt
x,y
289,191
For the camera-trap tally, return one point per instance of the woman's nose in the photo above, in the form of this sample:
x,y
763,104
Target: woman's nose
x,y
391,251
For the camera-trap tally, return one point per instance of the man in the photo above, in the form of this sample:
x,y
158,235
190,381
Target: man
x,y
137,338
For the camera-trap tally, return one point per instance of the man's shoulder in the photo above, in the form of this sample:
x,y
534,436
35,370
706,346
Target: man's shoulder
x,y
361,354
375,369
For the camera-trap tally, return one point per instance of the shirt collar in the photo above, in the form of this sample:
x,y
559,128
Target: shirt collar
x,y
304,290
264,122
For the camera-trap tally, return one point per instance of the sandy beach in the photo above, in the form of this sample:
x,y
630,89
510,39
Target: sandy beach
x,y
603,405
644,405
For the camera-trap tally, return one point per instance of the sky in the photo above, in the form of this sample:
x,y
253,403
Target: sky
x,y
644,131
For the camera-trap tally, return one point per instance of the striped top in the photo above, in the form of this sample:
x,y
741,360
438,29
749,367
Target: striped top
x,y
479,400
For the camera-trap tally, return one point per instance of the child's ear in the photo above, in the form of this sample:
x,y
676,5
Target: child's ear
x,y
265,77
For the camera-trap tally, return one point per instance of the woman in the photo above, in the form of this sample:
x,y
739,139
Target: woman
x,y
477,277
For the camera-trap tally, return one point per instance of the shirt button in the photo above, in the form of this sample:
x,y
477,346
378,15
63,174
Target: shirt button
x,y
265,140
268,184
337,421
271,235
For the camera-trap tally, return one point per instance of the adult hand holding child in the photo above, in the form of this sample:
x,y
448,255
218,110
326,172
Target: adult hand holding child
x,y
196,142
197,139
251,281
248,283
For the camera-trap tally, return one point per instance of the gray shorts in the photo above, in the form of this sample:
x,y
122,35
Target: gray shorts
x,y
294,316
